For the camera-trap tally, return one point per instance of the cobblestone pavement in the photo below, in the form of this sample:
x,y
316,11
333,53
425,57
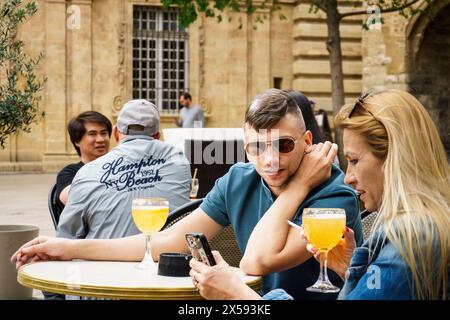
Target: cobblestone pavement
x,y
23,200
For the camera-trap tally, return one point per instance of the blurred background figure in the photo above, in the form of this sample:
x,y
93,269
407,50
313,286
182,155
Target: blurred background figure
x,y
191,115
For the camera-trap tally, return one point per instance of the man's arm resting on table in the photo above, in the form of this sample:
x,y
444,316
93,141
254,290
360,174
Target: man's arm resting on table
x,y
47,248
133,248
123,249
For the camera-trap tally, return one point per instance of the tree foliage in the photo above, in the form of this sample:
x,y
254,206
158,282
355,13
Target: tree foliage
x,y
19,86
405,8
189,9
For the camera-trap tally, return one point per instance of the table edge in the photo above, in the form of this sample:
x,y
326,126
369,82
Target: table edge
x,y
116,292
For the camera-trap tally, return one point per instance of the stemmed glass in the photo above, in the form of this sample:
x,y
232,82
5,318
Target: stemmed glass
x,y
149,215
323,229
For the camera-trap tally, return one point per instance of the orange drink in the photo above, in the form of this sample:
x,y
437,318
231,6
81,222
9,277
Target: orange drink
x,y
149,219
149,215
324,230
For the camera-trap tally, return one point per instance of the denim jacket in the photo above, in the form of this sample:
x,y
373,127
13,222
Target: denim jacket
x,y
377,272
380,275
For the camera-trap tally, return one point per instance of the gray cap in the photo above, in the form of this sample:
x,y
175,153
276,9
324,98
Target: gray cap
x,y
141,113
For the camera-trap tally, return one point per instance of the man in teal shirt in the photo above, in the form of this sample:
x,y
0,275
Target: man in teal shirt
x,y
242,197
246,197
286,173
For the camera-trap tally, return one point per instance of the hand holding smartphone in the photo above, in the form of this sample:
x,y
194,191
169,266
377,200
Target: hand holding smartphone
x,y
200,250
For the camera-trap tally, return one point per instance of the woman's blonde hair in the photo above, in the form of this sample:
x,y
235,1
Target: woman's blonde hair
x,y
414,210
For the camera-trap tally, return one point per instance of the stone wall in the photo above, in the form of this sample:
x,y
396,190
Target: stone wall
x,y
429,76
413,54
91,68
311,68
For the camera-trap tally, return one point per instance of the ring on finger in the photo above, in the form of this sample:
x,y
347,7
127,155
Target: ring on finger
x,y
195,284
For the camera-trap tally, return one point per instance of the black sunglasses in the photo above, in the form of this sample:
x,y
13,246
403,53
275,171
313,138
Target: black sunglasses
x,y
282,145
359,102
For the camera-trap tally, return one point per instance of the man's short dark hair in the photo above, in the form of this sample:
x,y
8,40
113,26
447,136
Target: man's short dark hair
x,y
269,107
186,95
77,129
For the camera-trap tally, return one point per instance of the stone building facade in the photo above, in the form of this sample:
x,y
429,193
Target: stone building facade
x,y
413,54
92,66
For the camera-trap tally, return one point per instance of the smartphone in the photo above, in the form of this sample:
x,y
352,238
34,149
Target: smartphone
x,y
199,246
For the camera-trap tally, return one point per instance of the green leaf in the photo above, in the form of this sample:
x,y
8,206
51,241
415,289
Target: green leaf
x,y
18,105
209,12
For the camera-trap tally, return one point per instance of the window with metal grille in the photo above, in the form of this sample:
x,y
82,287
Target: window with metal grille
x,y
160,57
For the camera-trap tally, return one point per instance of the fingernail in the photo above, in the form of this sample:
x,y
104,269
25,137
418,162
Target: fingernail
x,y
347,229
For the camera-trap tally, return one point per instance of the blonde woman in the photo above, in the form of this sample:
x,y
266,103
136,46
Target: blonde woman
x,y
391,137
397,164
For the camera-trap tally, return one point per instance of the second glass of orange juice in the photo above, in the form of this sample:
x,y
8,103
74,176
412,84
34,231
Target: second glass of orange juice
x,y
323,228
149,215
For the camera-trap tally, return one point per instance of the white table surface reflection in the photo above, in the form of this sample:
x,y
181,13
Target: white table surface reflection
x,y
107,279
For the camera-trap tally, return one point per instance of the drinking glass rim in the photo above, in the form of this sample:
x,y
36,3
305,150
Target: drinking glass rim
x,y
324,209
336,210
155,199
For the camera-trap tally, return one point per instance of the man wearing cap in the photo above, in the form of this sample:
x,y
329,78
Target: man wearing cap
x,y
100,197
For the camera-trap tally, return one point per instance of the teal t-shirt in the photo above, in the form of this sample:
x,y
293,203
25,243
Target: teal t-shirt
x,y
241,198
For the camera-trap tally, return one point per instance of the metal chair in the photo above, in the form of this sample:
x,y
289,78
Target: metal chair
x,y
367,220
224,242
180,212
54,212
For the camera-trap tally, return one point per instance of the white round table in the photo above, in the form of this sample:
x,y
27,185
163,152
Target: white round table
x,y
114,280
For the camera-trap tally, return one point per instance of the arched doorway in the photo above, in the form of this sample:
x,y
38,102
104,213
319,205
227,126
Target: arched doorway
x,y
429,69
